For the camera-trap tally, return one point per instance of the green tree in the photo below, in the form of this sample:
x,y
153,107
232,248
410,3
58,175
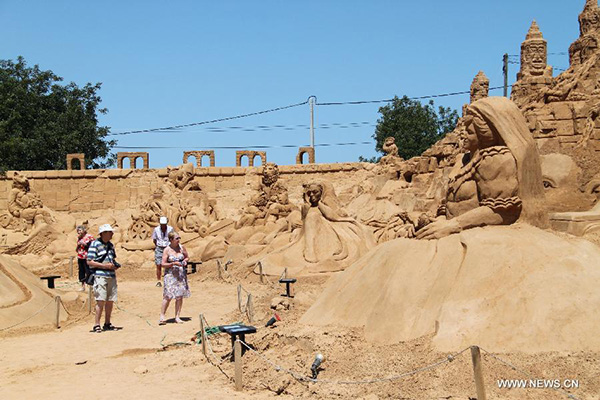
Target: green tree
x,y
41,121
415,126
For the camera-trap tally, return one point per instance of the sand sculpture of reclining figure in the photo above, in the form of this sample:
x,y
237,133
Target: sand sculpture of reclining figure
x,y
505,287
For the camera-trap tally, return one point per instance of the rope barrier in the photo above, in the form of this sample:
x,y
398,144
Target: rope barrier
x,y
212,353
27,319
68,312
304,378
525,373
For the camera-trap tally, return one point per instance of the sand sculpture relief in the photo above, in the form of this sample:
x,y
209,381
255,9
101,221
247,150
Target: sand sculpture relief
x,y
269,203
25,207
181,200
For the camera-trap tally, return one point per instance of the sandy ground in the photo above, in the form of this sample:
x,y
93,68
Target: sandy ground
x,y
139,361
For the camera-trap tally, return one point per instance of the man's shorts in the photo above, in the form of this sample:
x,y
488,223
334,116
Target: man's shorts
x,y
158,253
105,288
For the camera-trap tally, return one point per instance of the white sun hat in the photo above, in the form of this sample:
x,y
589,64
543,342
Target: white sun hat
x,y
105,228
163,220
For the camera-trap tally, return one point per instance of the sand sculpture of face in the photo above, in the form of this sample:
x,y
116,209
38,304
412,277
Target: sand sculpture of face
x,y
20,182
270,173
534,57
313,193
479,135
560,179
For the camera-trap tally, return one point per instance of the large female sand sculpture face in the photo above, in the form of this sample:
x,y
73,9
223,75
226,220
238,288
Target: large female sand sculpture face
x,y
479,135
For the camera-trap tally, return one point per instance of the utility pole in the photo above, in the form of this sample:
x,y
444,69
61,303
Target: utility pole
x,y
311,102
505,71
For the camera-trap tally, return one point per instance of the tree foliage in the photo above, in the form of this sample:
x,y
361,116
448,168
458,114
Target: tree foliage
x,y
415,126
41,121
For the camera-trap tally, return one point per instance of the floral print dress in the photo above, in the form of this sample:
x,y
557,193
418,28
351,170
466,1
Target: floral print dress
x,y
175,280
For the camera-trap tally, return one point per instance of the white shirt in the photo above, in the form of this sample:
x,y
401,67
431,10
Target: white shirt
x,y
162,239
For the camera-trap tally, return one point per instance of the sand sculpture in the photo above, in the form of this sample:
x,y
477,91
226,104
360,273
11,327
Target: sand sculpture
x,y
270,203
589,28
480,271
391,151
480,87
180,199
328,241
535,72
562,111
470,287
25,207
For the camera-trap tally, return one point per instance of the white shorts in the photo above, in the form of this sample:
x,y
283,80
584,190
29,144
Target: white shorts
x,y
105,288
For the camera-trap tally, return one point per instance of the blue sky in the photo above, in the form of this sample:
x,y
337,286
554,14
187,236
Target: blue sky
x,y
169,63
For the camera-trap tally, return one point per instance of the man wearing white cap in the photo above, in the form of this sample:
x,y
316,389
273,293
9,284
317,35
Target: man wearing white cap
x,y
160,236
101,260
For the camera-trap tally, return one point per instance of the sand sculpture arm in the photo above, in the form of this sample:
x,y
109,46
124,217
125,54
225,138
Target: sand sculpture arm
x,y
499,204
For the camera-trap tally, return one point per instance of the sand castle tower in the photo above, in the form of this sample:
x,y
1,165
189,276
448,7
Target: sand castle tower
x,y
535,72
589,34
480,87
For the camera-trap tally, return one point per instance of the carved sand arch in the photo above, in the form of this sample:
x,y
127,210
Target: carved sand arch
x,y
250,154
75,156
306,150
199,154
132,157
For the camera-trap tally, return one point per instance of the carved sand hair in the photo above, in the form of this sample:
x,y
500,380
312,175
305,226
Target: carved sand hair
x,y
507,121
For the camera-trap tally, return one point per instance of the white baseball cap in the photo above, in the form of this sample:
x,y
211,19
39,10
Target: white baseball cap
x,y
105,228
163,220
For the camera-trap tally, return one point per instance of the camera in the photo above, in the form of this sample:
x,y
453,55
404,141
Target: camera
x,y
116,264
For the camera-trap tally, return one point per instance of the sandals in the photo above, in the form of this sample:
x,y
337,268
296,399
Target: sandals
x,y
162,322
97,329
108,327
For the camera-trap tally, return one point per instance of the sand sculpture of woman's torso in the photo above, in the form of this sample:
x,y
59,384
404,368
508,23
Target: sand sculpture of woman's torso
x,y
499,180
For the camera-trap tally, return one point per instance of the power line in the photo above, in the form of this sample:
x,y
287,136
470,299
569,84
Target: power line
x,y
411,98
245,147
268,128
210,121
179,127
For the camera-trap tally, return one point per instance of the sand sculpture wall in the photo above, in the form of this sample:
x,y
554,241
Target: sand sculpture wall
x,y
82,190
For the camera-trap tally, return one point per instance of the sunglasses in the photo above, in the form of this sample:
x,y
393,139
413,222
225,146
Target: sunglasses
x,y
176,238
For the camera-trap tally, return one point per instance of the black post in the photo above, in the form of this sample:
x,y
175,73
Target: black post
x,y
505,71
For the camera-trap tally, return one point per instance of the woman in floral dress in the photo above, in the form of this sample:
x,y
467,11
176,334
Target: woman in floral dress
x,y
174,262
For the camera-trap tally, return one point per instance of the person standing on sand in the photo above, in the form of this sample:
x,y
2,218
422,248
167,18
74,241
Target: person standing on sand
x,y
160,236
101,256
83,242
174,261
